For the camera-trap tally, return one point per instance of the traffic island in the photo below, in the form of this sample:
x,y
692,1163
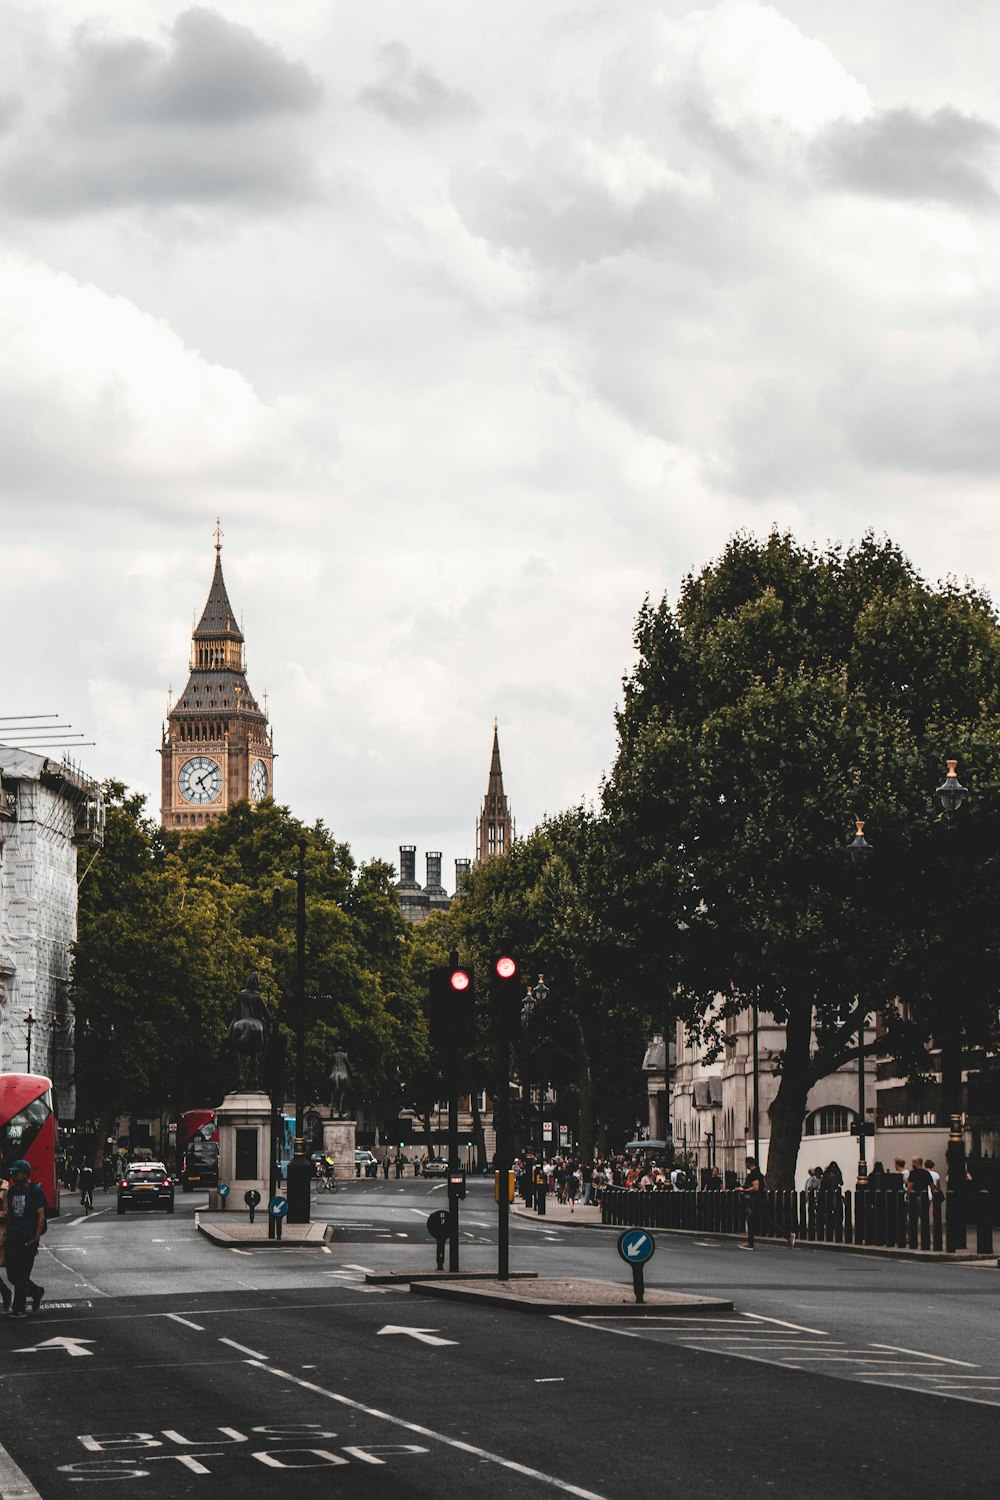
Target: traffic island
x,y
229,1231
574,1295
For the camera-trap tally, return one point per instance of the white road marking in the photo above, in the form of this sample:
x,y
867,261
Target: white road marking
x,y
760,1318
968,1364
233,1251
73,1347
254,1353
86,1218
425,1335
367,1269
186,1321
439,1437
549,1379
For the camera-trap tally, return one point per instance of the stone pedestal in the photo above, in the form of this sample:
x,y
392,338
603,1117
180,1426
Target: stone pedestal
x,y
244,1148
339,1138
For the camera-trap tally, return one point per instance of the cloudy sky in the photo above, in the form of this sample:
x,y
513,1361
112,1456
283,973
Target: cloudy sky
x,y
474,324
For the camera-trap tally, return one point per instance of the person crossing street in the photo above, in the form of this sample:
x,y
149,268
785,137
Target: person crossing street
x,y
26,1207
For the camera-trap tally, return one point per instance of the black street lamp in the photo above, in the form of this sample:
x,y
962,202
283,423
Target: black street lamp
x,y
952,794
861,852
300,1168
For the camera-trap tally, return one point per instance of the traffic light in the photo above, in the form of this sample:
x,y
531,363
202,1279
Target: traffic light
x,y
452,998
505,992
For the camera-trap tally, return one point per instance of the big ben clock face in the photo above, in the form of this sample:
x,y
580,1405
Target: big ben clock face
x,y
200,779
258,781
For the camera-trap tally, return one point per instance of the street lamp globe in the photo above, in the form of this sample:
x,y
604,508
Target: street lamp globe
x,y
859,848
951,793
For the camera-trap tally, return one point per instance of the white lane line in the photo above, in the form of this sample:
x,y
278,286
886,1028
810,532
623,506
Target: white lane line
x,y
326,1249
760,1318
367,1269
919,1353
14,1483
186,1321
439,1437
625,1333
254,1353
86,1218
233,1251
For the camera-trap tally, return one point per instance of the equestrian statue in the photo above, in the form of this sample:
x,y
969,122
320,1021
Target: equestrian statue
x,y
342,1101
247,1035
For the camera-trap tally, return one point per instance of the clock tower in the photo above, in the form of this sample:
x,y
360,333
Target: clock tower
x,y
216,746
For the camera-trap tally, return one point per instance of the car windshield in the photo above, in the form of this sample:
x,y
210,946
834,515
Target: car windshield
x,y
145,1173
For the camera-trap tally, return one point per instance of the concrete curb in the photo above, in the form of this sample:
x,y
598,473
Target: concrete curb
x,y
575,1297
241,1235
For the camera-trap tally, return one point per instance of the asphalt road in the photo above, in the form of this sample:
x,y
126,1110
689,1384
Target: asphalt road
x,y
162,1365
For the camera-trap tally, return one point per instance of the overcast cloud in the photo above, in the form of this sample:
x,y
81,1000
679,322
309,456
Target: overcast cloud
x,y
474,326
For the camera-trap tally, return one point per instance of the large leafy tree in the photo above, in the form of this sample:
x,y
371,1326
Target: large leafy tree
x,y
547,902
787,692
170,927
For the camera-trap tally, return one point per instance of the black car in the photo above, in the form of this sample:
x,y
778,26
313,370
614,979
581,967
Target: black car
x,y
146,1184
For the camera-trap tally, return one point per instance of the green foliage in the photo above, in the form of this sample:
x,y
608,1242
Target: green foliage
x,y
170,928
789,692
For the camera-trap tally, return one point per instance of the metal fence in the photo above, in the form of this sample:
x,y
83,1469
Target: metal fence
x,y
862,1218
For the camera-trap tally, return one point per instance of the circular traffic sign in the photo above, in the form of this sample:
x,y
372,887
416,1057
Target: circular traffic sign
x,y
506,968
223,1190
636,1246
438,1224
251,1197
459,979
278,1207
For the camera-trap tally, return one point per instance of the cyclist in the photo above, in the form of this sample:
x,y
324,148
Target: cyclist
x,y
87,1188
326,1180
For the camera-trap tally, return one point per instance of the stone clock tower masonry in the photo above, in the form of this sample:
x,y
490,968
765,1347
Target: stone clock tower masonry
x,y
217,746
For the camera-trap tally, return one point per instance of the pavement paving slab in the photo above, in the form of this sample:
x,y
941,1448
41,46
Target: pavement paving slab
x,y
577,1295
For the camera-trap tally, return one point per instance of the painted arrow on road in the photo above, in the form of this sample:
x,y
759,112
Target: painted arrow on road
x,y
425,1335
74,1347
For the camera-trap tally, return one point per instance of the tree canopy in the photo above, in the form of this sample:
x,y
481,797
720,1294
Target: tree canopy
x,y
788,692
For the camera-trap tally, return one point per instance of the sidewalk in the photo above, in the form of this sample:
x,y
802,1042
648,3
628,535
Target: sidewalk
x,y
230,1229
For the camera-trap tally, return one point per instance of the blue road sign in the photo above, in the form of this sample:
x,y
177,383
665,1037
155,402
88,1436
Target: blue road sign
x,y
636,1246
223,1190
278,1207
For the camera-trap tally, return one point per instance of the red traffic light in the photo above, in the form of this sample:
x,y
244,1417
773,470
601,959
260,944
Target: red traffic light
x,y
460,979
506,968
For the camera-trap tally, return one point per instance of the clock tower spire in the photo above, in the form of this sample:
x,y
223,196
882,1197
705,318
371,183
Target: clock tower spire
x,y
216,747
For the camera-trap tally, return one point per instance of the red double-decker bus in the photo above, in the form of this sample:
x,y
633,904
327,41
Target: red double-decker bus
x,y
198,1149
28,1129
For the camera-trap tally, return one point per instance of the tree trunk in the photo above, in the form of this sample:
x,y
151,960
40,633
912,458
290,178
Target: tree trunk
x,y
585,1083
788,1108
478,1131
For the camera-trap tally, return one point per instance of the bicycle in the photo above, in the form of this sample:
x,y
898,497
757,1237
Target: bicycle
x,y
87,1200
326,1184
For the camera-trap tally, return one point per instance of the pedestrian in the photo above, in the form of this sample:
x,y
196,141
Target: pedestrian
x,y
714,1182
753,1190
26,1207
385,1166
919,1185
4,1289
87,1187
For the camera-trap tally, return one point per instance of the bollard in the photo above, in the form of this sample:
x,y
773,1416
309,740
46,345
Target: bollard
x,y
951,1201
984,1224
937,1203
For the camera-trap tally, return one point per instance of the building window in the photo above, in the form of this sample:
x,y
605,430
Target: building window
x,y
832,1119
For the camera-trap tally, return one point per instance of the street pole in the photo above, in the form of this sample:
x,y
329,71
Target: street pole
x,y
30,1023
299,1168
861,852
951,795
756,1077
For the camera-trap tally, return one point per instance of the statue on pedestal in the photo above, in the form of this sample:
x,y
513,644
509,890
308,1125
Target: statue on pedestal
x,y
342,1101
247,1035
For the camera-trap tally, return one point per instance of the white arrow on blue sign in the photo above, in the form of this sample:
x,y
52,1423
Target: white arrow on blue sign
x,y
278,1207
636,1246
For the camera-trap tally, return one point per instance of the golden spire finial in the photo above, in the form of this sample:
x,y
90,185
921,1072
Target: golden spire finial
x,y
218,533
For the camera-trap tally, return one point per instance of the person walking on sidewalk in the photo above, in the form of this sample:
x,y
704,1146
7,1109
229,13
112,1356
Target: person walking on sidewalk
x,y
753,1190
26,1207
4,1289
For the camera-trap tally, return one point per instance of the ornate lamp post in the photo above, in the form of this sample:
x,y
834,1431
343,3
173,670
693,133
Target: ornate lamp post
x,y
861,852
300,1168
951,794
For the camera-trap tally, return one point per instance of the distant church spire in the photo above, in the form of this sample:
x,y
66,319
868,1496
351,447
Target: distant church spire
x,y
495,829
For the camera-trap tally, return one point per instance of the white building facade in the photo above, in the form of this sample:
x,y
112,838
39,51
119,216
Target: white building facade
x,y
48,810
